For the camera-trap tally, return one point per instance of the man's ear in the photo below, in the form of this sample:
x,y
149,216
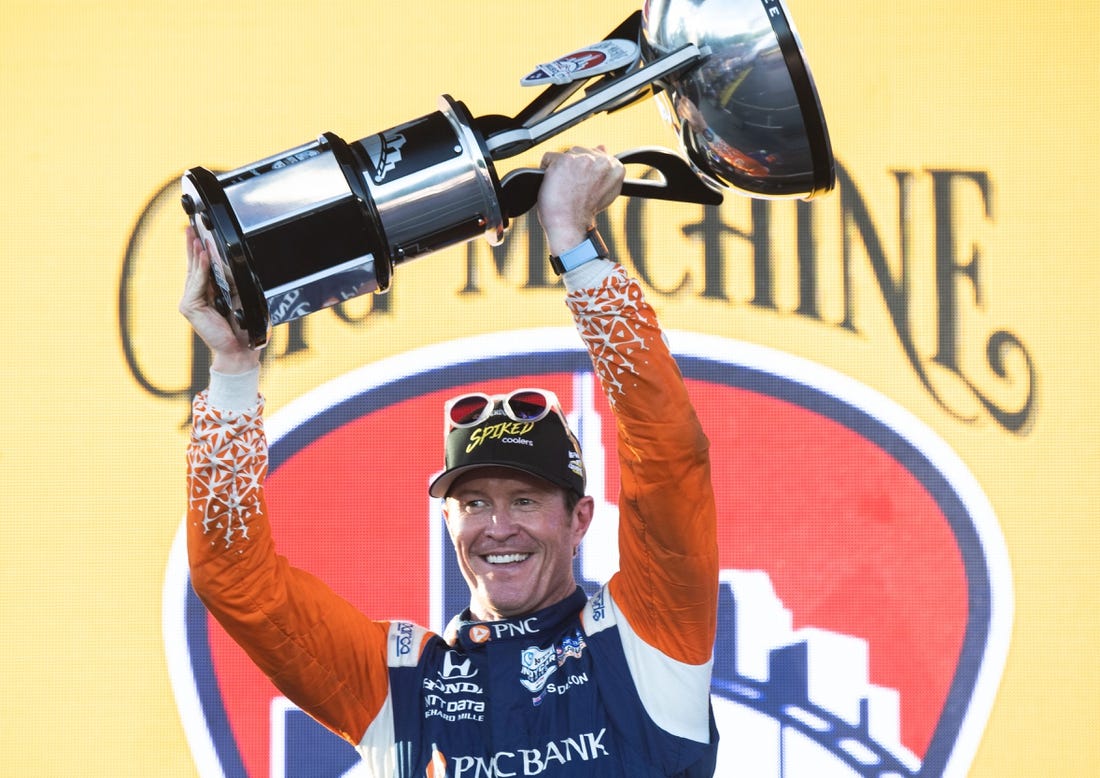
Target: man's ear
x,y
582,517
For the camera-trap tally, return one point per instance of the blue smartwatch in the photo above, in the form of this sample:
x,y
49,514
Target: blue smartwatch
x,y
592,247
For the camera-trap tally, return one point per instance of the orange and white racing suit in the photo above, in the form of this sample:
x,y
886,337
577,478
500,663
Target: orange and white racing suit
x,y
613,685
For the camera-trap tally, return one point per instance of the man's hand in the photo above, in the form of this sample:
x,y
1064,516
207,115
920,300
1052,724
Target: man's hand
x,y
578,184
228,345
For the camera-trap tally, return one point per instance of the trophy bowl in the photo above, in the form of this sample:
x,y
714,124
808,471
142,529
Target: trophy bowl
x,y
748,116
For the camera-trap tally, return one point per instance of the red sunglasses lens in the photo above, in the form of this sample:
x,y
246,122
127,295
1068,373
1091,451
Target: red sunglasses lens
x,y
528,405
467,409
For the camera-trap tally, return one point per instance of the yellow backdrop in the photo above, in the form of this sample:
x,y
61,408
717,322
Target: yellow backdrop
x,y
980,115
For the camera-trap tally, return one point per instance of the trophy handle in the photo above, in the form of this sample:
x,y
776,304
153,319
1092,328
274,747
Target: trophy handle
x,y
520,188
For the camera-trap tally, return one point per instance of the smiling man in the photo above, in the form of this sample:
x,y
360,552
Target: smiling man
x,y
534,678
515,536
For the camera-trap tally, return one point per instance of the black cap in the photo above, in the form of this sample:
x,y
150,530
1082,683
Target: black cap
x,y
546,448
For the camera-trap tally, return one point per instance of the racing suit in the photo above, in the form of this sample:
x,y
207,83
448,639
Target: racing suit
x,y
614,685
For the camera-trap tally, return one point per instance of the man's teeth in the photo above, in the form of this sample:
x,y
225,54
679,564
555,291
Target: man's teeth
x,y
504,559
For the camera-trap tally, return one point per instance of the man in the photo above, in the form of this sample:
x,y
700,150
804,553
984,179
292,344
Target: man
x,y
534,678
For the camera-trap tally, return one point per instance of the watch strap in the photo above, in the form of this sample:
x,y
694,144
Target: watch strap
x,y
592,247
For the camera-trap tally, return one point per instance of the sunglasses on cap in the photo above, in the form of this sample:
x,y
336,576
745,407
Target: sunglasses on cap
x,y
469,410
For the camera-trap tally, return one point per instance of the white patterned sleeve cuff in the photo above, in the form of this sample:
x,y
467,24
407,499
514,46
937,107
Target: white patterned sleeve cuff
x,y
617,326
227,463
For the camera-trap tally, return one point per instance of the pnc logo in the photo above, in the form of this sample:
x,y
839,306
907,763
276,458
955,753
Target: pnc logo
x,y
514,628
865,601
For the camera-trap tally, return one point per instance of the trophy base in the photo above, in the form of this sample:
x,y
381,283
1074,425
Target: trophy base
x,y
326,222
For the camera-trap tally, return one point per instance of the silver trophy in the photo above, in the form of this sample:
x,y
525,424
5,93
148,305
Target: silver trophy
x,y
329,220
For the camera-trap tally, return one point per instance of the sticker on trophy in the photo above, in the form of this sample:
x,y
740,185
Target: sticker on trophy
x,y
593,60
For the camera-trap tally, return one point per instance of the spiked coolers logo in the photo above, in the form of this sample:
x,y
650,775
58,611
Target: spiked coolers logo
x,y
866,600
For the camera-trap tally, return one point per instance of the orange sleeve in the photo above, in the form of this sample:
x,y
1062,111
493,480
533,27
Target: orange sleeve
x,y
322,653
667,584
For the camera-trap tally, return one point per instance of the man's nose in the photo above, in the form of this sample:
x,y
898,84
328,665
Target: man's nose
x,y
501,524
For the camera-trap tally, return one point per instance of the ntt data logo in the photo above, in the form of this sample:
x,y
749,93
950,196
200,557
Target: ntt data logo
x,y
865,601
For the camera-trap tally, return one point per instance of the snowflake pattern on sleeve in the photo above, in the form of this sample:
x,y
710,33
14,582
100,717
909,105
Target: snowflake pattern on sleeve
x,y
612,319
227,462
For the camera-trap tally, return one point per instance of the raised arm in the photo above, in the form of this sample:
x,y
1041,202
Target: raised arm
x,y
315,646
668,580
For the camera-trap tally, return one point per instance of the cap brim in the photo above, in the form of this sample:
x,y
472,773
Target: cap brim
x,y
445,480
